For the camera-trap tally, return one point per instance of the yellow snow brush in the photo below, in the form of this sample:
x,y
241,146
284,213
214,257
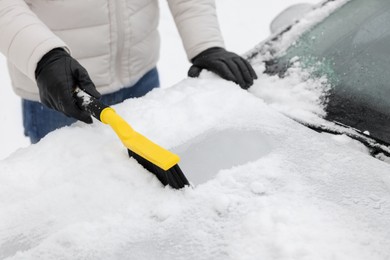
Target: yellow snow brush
x,y
157,160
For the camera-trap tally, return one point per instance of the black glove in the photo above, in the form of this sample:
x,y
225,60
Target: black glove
x,y
227,65
57,75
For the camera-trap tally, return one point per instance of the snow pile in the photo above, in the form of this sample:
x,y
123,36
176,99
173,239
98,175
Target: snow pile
x,y
76,194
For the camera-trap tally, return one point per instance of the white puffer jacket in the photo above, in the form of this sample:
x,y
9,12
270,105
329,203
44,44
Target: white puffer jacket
x,y
115,40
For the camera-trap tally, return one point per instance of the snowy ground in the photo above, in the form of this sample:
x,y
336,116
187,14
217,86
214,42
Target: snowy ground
x,y
244,23
277,191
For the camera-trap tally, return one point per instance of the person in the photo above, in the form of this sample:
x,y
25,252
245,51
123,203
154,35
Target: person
x,y
109,49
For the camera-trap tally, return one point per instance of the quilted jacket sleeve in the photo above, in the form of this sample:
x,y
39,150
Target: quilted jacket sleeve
x,y
197,23
24,39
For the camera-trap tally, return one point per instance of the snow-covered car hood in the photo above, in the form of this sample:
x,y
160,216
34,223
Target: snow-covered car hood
x,y
305,195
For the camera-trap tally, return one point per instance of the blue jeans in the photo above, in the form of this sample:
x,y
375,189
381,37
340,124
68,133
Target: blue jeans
x,y
39,120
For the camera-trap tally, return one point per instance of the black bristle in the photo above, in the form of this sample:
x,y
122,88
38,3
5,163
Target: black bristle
x,y
173,177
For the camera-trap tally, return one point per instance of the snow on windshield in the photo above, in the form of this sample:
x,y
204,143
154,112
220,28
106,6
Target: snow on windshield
x,y
283,41
298,94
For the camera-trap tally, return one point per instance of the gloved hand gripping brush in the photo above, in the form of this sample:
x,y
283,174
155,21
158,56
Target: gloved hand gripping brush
x,y
57,76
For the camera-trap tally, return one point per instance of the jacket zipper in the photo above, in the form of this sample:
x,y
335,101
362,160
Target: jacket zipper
x,y
120,40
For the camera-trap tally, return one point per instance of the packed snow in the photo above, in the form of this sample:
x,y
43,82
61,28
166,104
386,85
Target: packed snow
x,y
263,185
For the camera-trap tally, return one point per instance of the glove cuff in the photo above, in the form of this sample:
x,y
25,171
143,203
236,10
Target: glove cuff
x,y
49,57
207,52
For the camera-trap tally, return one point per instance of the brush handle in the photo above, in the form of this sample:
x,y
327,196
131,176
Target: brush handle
x,y
90,104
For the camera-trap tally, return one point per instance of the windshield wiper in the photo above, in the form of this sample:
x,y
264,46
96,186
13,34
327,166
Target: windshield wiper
x,y
376,146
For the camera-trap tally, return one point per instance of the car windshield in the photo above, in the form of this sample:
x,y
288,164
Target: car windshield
x,y
352,48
